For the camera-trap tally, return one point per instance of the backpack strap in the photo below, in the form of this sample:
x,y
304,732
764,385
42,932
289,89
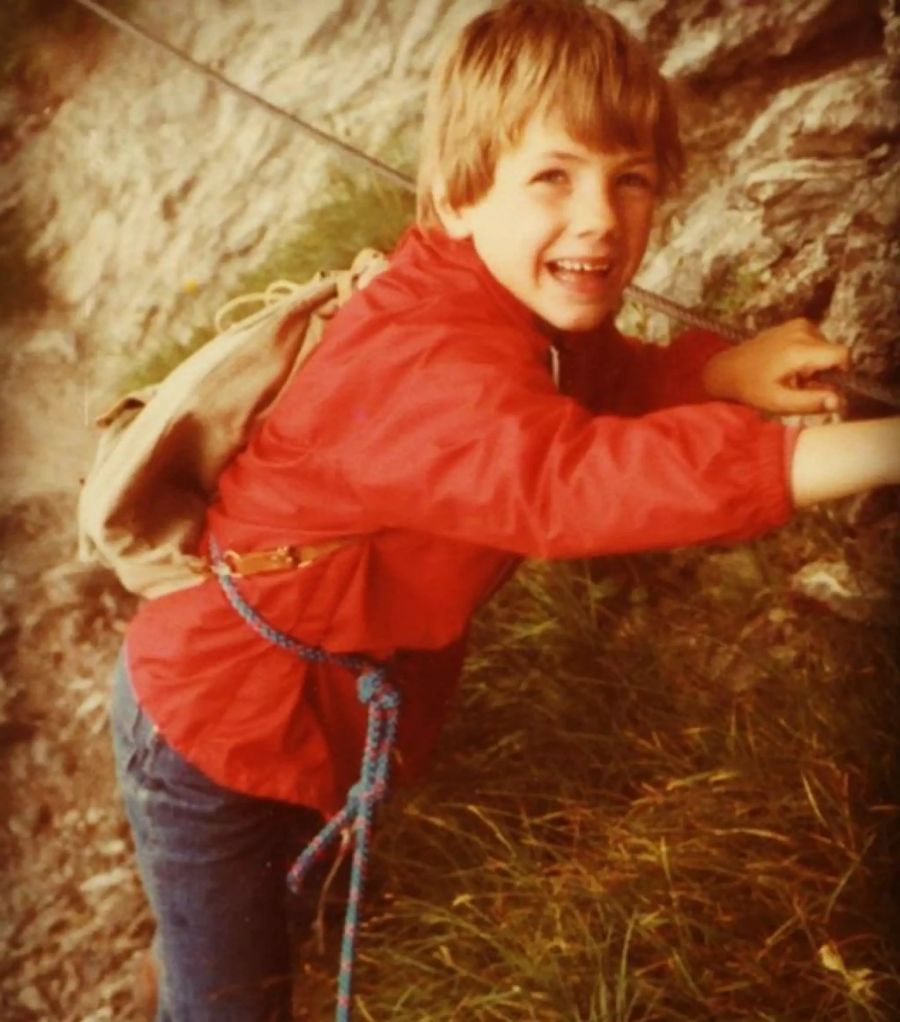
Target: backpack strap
x,y
259,562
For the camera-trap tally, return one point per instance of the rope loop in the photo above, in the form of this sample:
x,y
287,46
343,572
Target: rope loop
x,y
363,798
374,690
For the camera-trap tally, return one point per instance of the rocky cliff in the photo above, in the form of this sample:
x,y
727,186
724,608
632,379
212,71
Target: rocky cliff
x,y
147,191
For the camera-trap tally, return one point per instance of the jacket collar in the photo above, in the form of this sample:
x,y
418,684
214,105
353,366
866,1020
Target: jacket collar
x,y
455,261
432,251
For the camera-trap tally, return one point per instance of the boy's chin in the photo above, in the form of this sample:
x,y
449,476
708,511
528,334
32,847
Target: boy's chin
x,y
576,321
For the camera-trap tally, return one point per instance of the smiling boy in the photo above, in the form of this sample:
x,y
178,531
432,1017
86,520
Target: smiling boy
x,y
563,227
427,436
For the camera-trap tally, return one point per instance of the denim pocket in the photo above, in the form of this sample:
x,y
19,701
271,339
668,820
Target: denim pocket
x,y
167,770
131,731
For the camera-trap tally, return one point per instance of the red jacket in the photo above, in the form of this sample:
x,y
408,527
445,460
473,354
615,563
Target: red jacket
x,y
428,427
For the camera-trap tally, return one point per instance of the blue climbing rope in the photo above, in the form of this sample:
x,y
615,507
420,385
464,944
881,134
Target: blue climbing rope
x,y
383,702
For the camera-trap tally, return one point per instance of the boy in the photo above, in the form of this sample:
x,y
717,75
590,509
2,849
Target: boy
x,y
427,443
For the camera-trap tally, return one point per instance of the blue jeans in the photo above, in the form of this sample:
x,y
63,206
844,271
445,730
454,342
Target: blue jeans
x,y
213,865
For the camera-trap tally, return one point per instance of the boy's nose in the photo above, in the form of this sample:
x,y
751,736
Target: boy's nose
x,y
595,211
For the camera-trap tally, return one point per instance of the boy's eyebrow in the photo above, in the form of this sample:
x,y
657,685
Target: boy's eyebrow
x,y
573,157
560,154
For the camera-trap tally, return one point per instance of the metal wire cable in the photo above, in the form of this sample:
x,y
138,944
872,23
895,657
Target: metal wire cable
x,y
865,385
351,152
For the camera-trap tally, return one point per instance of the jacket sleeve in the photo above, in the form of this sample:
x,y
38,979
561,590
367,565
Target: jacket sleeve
x,y
632,377
477,445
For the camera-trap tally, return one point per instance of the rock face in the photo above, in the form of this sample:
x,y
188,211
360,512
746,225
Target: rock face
x,y
151,190
793,112
722,40
154,187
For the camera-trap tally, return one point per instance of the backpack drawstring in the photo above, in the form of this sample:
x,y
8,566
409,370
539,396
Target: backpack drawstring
x,y
383,702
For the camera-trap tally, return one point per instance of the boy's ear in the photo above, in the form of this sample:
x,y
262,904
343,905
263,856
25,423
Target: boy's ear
x,y
454,221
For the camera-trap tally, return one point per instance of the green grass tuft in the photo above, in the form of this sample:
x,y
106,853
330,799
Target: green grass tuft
x,y
359,211
733,292
666,795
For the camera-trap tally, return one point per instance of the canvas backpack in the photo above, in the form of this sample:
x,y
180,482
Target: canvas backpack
x,y
142,506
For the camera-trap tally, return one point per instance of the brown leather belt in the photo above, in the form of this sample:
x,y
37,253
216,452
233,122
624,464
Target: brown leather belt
x,y
258,562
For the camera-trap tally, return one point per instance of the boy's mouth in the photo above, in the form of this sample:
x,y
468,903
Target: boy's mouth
x,y
581,274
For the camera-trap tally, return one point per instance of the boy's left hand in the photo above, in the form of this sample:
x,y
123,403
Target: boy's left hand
x,y
773,371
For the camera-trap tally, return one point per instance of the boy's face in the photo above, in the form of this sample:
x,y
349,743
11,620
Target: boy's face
x,y
563,227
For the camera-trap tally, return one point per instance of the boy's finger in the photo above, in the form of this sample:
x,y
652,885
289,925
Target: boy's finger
x,y
805,360
833,401
809,400
826,355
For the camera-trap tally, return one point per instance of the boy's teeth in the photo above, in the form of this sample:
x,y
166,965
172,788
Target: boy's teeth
x,y
580,266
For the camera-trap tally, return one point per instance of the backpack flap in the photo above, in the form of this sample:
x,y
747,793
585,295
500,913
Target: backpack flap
x,y
142,507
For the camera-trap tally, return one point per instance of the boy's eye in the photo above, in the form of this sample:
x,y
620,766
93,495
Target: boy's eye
x,y
551,176
637,179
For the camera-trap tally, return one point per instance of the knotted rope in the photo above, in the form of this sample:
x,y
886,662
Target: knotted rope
x,y
383,702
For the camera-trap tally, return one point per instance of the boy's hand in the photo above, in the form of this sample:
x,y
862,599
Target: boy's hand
x,y
771,371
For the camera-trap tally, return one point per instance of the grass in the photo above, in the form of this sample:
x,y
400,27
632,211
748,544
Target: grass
x,y
666,795
733,292
358,211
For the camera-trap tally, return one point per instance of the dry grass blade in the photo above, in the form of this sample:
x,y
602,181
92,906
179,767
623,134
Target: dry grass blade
x,y
618,833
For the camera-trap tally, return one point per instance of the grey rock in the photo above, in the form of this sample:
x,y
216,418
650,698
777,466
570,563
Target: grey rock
x,y
847,592
848,111
890,16
721,39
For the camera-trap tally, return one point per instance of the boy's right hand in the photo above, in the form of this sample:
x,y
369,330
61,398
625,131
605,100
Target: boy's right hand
x,y
774,371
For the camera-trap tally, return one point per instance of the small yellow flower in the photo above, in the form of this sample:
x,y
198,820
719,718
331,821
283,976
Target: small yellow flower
x,y
860,982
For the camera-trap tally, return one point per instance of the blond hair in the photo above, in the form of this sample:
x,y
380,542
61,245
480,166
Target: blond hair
x,y
533,57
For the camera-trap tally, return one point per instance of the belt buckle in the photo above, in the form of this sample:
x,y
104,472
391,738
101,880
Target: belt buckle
x,y
281,558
